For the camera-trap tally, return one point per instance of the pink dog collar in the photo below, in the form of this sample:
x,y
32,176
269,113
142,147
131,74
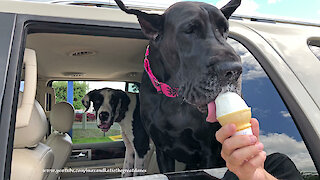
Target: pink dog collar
x,y
162,88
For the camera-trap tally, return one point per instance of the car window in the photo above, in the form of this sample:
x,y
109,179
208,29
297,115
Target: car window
x,y
278,132
84,129
315,49
133,87
21,86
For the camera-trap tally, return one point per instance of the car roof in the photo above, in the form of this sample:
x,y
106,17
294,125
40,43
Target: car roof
x,y
81,10
66,11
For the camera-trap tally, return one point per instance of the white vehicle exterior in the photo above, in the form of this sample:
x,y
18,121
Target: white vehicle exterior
x,y
281,47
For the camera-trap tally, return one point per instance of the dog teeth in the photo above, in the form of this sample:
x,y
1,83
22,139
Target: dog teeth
x,y
203,109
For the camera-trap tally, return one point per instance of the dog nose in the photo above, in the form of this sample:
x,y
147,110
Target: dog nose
x,y
103,116
228,71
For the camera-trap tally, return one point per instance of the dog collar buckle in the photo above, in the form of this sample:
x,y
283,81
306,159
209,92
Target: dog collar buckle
x,y
157,82
162,88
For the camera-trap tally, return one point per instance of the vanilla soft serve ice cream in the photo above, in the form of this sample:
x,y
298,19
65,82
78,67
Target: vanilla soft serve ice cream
x,y
229,102
231,108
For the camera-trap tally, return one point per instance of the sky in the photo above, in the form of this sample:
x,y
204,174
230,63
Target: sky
x,y
301,9
308,10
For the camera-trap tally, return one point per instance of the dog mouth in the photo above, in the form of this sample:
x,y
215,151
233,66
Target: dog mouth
x,y
205,101
104,127
209,109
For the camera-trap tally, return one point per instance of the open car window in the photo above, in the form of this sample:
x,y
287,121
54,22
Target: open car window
x,y
315,49
84,129
278,132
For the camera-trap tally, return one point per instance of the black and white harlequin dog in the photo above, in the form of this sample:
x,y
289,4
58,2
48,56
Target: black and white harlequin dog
x,y
118,106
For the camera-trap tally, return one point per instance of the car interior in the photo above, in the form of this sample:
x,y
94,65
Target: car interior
x,y
70,57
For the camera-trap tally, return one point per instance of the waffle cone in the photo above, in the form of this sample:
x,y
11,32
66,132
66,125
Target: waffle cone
x,y
240,118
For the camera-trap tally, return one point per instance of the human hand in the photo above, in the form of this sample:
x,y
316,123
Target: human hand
x,y
243,154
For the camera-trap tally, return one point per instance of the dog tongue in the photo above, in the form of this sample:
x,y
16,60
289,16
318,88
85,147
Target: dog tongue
x,y
104,130
212,112
104,127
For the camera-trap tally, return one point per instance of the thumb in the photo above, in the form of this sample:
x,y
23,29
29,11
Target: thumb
x,y
255,127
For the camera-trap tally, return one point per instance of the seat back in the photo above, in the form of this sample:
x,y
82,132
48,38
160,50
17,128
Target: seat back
x,y
61,119
30,157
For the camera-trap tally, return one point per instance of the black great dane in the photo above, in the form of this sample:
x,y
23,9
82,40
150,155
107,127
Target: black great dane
x,y
188,64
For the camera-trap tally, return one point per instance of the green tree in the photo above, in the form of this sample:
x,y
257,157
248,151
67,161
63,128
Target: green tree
x,y
79,91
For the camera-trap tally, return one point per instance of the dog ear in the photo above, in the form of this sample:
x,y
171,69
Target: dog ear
x,y
88,98
123,104
229,8
151,24
86,102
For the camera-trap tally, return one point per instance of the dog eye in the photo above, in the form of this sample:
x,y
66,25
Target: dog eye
x,y
223,26
223,31
191,29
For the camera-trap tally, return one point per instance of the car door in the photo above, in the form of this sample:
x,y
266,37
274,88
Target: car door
x,y
10,57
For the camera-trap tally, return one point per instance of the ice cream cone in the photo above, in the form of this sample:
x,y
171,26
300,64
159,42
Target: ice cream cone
x,y
240,118
231,108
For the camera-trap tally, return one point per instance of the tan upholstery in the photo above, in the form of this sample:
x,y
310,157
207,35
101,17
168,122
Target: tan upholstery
x,y
30,157
61,119
28,164
30,85
62,116
32,134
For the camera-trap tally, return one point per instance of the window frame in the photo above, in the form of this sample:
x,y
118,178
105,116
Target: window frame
x,y
12,50
18,26
315,43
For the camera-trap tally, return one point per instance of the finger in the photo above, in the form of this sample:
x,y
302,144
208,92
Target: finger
x,y
239,156
255,127
225,132
237,142
256,162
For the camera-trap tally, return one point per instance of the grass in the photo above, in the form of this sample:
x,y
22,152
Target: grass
x,y
91,140
92,135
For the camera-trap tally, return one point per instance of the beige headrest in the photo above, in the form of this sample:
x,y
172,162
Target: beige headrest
x,y
62,116
31,135
30,86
